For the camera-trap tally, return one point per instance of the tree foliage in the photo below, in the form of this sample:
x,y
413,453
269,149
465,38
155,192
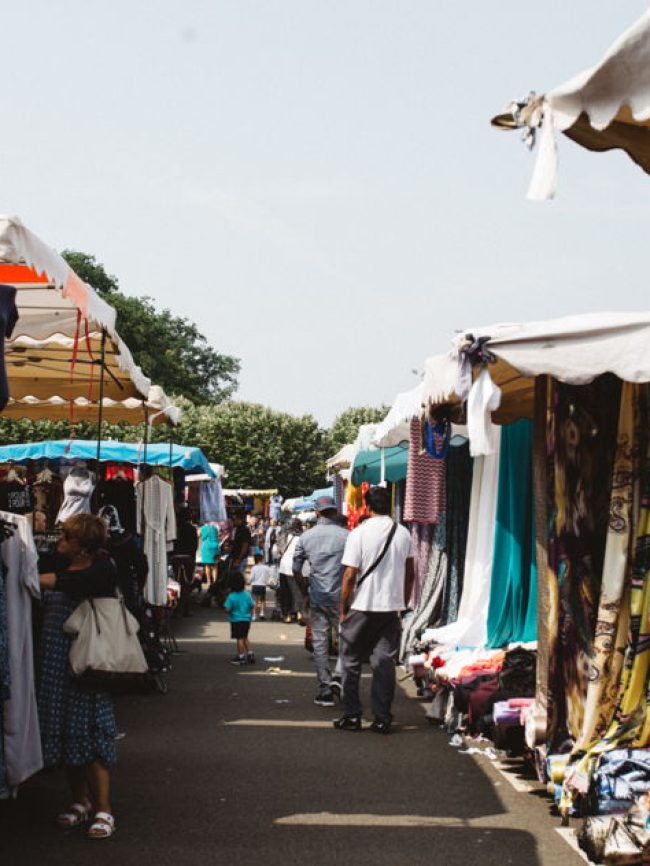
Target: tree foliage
x,y
346,425
259,447
170,349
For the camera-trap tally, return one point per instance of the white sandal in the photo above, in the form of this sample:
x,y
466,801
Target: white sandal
x,y
77,814
102,827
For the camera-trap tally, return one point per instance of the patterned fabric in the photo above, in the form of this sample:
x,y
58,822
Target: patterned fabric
x,y
427,613
613,610
581,431
459,491
425,482
76,727
421,538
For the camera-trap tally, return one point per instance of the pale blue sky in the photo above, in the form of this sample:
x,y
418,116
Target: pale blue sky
x,y
316,183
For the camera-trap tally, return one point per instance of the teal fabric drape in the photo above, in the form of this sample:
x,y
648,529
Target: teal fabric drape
x,y
512,614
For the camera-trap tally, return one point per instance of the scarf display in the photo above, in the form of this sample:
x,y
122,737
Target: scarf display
x,y
425,482
429,608
470,629
581,437
459,489
512,615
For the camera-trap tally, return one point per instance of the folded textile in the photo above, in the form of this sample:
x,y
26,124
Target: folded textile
x,y
556,767
503,714
521,702
622,775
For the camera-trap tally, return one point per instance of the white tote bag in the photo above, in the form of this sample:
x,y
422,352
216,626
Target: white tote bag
x,y
105,639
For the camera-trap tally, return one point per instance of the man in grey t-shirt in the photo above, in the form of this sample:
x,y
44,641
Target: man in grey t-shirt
x,y
323,548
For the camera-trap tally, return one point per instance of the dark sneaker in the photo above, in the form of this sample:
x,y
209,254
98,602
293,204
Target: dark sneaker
x,y
238,660
250,658
325,700
336,687
380,727
348,723
262,617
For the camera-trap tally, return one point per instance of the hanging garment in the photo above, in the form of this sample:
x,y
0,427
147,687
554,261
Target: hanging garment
x,y
427,613
212,502
612,620
421,540
459,490
22,739
78,489
48,498
512,615
484,398
119,470
120,493
157,525
339,493
470,629
16,497
275,506
581,431
425,482
8,319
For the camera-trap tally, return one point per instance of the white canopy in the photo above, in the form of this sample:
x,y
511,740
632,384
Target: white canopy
x,y
129,411
395,427
603,108
573,349
342,459
59,315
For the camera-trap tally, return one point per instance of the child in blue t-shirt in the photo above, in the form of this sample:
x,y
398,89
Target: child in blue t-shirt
x,y
240,605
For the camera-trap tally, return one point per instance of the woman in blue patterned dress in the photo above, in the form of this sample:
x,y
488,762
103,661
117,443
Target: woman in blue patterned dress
x,y
77,727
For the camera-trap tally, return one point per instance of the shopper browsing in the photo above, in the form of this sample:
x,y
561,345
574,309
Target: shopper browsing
x,y
322,547
378,578
239,605
77,726
260,576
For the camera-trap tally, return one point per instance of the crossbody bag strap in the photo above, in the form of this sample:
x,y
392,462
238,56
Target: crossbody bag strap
x,y
379,559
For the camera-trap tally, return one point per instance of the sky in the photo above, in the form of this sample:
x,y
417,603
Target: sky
x,y
315,183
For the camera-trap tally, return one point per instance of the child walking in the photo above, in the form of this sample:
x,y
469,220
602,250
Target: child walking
x,y
239,605
260,576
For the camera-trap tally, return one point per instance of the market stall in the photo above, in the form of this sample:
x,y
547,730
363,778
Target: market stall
x,y
550,633
64,359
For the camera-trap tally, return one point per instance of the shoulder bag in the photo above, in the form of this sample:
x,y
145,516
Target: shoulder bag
x,y
105,646
379,559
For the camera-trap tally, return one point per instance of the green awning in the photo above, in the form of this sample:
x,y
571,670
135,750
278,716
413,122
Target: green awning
x,y
367,465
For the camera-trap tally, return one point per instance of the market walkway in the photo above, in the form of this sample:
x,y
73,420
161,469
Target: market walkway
x,y
238,766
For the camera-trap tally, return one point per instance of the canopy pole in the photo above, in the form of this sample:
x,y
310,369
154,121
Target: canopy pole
x,y
100,420
146,434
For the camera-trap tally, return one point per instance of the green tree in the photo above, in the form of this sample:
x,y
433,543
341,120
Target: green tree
x,y
259,446
346,424
170,349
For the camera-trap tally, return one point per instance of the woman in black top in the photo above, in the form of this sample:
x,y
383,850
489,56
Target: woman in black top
x,y
77,727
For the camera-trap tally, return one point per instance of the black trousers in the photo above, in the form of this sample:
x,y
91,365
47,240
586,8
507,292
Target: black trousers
x,y
285,596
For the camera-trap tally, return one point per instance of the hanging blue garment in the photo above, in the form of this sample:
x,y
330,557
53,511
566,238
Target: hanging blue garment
x,y
512,613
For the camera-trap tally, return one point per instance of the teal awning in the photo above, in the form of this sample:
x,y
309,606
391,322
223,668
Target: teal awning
x,y
367,465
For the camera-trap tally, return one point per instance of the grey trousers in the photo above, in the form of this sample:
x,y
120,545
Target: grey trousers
x,y
376,635
297,598
322,619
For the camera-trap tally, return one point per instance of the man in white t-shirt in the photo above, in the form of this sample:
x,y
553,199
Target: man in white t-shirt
x,y
378,578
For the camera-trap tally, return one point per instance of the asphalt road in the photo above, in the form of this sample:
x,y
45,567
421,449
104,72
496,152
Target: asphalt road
x,y
236,765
